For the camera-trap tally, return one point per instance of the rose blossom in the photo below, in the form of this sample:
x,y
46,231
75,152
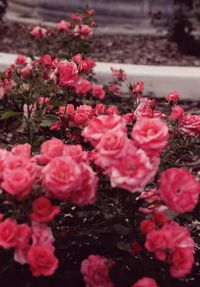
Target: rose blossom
x,y
8,232
147,226
84,31
83,86
68,73
46,60
43,210
181,262
18,182
151,135
41,234
114,89
177,113
86,65
98,91
63,25
133,171
102,124
179,189
119,74
21,60
95,271
50,149
76,152
86,193
38,32
23,150
138,87
82,115
61,176
190,124
42,260
173,97
112,111
145,282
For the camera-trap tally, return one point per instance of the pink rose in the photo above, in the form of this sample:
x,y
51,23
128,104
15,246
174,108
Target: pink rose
x,y
61,177
173,97
145,282
84,31
18,182
112,111
46,60
177,113
83,86
63,25
50,149
119,74
181,261
38,32
86,193
99,109
151,135
86,65
98,91
82,115
190,124
133,171
95,271
8,232
114,89
129,117
26,71
21,60
146,226
68,73
43,210
100,125
76,152
138,88
23,150
179,190
42,260
41,234
23,235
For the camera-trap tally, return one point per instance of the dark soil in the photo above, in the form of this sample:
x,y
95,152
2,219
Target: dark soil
x,y
147,50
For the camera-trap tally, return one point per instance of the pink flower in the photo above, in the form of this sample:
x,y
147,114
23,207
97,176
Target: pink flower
x,y
112,111
181,261
179,190
129,117
98,91
95,271
8,232
21,60
86,65
41,234
26,71
43,210
102,124
119,74
82,115
177,113
151,135
61,177
42,260
86,193
46,60
23,235
190,124
83,86
84,31
145,282
68,73
133,171
114,89
76,152
23,150
173,97
138,87
38,32
18,182
50,149
99,109
63,25
146,226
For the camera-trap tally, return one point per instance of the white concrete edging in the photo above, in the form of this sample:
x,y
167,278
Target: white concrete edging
x,y
158,80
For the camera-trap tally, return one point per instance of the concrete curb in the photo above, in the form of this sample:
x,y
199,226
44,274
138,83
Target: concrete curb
x,y
158,80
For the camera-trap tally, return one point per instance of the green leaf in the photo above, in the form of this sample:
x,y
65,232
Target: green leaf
x,y
48,120
9,114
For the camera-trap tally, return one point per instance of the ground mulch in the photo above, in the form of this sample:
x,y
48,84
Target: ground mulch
x,y
144,50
